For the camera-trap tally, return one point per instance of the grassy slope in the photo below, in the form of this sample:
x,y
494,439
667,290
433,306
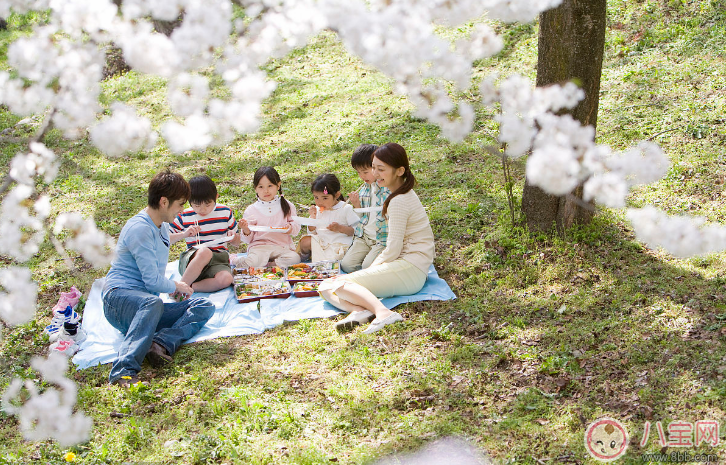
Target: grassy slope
x,y
547,334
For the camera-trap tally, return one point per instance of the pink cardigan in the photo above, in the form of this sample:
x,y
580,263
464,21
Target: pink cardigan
x,y
283,240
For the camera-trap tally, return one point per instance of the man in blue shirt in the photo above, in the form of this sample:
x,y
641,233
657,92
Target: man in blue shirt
x,y
152,329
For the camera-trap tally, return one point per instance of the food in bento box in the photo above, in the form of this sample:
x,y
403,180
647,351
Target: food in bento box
x,y
306,289
313,271
263,272
251,291
306,286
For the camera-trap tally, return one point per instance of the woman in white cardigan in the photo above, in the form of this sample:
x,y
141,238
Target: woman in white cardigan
x,y
401,269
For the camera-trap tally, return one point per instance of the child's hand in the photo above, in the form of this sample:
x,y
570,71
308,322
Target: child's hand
x,y
354,198
335,227
313,211
192,231
244,226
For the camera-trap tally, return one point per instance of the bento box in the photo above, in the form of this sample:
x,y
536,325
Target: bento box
x,y
316,271
274,273
306,289
251,291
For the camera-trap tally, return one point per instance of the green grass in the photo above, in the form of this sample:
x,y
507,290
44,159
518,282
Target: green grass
x,y
547,333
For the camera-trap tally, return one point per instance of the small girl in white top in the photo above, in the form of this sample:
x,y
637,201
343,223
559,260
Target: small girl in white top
x,y
331,239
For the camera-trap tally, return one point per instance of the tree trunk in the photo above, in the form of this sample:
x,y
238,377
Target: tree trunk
x,y
115,63
571,47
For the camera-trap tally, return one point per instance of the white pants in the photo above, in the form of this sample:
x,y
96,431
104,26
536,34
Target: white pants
x,y
385,280
361,254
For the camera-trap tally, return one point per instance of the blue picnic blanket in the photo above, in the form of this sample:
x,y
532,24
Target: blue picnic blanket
x,y
231,318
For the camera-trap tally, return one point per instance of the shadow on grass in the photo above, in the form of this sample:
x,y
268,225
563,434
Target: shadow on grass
x,y
594,325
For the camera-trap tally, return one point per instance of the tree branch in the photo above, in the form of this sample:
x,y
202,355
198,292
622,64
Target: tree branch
x,y
14,140
6,184
581,203
47,125
662,132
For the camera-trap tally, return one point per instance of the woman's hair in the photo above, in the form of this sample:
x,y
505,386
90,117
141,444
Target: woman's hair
x,y
328,184
395,156
274,177
173,186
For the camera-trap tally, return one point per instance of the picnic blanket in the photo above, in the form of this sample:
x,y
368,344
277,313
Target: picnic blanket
x,y
230,317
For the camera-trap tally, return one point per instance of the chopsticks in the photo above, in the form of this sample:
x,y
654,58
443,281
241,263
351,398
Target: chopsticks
x,y
357,190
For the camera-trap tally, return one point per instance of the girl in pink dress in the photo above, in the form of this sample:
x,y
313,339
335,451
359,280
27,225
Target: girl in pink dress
x,y
267,226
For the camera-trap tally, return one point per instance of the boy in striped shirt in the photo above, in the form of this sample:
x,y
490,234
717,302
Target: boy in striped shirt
x,y
205,269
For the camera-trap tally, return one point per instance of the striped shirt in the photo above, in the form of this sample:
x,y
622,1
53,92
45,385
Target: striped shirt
x,y
369,199
213,226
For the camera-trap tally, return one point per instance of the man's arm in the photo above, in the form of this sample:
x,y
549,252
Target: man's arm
x,y
141,244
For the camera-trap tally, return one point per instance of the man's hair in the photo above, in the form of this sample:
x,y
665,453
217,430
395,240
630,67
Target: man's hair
x,y
363,156
203,189
173,186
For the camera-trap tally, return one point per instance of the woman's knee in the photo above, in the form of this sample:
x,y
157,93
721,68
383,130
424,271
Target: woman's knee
x,y
327,294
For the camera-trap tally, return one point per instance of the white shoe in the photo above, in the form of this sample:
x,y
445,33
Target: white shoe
x,y
353,320
65,346
63,333
378,324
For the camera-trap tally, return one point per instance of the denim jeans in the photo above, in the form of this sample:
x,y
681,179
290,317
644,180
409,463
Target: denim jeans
x,y
143,318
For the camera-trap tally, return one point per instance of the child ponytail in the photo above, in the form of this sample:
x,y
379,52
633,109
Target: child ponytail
x,y
285,205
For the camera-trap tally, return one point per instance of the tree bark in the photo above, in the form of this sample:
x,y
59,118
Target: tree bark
x,y
570,48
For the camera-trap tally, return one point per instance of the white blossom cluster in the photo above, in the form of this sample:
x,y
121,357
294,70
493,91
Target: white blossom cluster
x,y
21,6
55,72
397,37
206,26
613,173
681,236
522,106
17,301
48,415
95,246
40,161
523,11
21,232
123,132
563,153
399,40
277,27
